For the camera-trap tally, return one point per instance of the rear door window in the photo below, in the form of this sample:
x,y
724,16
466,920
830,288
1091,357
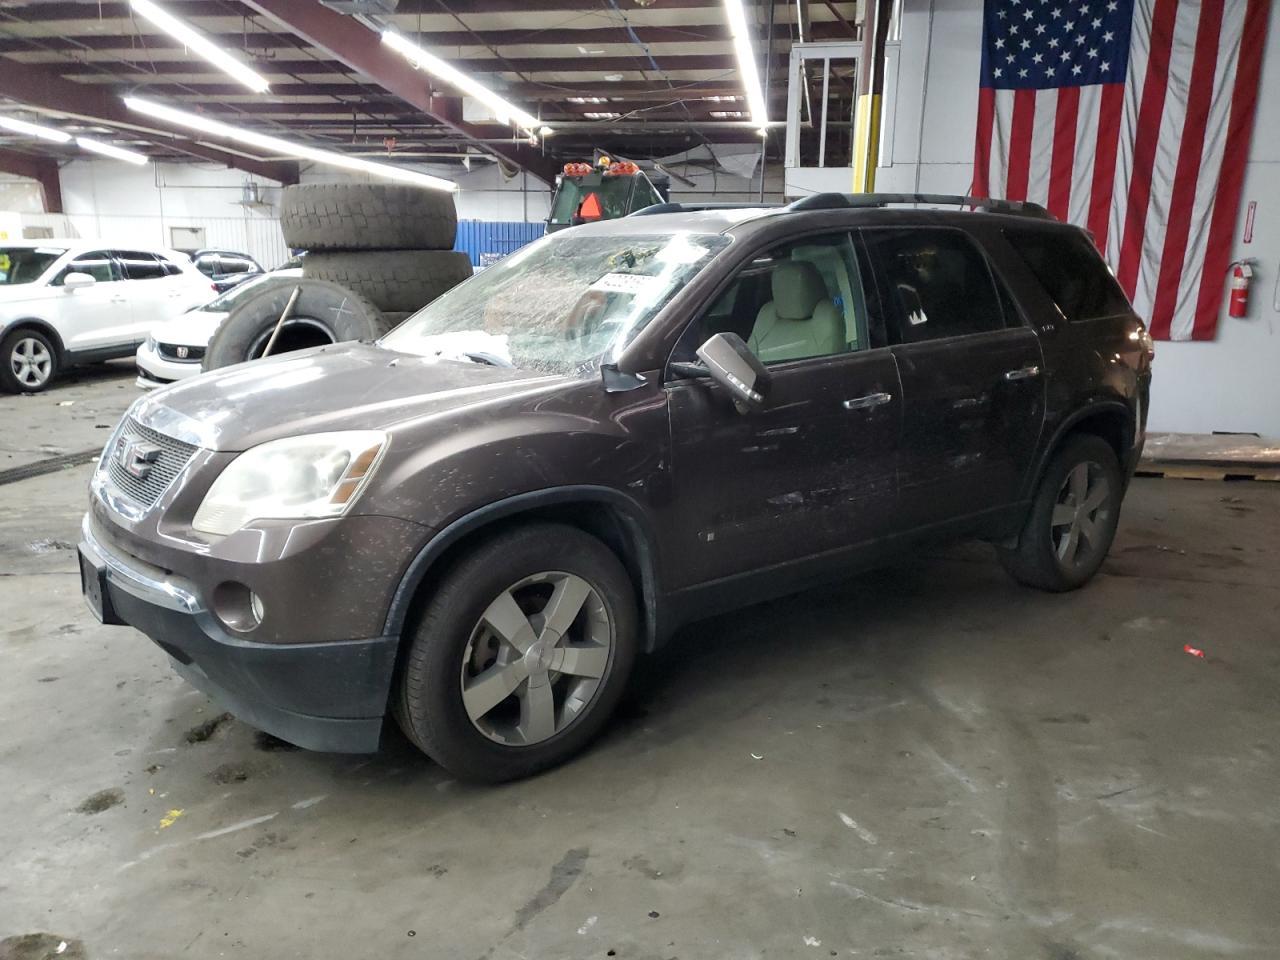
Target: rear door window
x,y
229,265
141,265
935,283
1073,274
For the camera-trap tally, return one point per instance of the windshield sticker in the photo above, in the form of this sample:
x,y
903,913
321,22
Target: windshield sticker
x,y
630,258
633,283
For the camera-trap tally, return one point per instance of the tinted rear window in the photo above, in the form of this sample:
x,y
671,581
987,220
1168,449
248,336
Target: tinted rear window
x,y
1068,267
934,282
140,265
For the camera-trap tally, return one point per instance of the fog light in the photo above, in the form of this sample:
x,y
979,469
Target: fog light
x,y
237,606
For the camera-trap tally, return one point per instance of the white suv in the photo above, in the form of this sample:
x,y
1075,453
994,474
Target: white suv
x,y
65,302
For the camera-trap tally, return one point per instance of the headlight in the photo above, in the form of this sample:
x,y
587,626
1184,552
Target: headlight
x,y
319,475
151,344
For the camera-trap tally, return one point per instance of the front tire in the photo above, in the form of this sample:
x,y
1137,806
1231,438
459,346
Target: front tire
x,y
1072,520
521,654
30,361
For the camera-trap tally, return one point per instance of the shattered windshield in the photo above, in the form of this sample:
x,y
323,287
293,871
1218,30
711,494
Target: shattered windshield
x,y
559,305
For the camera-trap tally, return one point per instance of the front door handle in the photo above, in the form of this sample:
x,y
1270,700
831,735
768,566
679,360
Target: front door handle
x,y
1022,373
867,402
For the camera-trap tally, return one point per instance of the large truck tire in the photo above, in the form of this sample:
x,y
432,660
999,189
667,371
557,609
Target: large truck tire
x,y
395,281
367,216
323,313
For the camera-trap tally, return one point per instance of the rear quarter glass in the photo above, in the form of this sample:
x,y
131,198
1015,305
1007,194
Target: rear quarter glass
x,y
1071,271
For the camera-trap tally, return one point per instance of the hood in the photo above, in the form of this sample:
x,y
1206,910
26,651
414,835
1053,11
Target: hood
x,y
346,386
194,328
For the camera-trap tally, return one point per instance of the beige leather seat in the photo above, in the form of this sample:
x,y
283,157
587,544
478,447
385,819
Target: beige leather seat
x,y
800,321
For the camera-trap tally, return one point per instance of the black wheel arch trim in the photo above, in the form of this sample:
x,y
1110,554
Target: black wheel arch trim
x,y
43,326
1092,409
630,512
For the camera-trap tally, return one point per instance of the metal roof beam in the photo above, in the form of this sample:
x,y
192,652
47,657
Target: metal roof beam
x,y
361,49
44,89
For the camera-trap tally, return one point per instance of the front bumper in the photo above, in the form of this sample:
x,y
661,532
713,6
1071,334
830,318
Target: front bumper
x,y
322,696
157,371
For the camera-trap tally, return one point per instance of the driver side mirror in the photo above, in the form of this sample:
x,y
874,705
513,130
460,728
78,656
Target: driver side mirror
x,y
731,364
76,280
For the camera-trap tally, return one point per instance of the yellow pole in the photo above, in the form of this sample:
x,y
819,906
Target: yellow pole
x,y
866,142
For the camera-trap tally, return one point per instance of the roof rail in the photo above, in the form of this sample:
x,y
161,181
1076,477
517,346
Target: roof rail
x,y
839,201
694,207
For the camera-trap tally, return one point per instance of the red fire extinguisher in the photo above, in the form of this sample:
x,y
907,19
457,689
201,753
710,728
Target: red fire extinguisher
x,y
1241,274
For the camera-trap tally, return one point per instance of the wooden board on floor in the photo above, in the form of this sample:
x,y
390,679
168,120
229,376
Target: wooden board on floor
x,y
1217,456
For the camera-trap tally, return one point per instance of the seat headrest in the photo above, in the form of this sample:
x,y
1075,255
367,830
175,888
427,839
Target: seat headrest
x,y
797,289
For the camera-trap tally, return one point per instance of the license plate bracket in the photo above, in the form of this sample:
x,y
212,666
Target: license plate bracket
x,y
93,584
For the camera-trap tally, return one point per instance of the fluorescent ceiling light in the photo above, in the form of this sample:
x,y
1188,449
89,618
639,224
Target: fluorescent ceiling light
x,y
505,111
34,130
747,62
201,44
111,150
275,145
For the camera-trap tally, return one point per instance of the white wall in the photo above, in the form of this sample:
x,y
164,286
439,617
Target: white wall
x,y
121,203
1231,383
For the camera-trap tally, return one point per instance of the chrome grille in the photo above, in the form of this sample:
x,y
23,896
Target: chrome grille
x,y
180,353
148,480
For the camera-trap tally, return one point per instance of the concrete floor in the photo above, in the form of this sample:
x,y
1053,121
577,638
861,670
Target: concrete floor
x,y
925,762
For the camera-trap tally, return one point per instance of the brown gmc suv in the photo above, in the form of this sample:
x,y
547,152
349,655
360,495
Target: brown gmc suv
x,y
479,522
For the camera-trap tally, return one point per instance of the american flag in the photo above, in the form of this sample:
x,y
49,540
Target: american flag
x,y
1132,119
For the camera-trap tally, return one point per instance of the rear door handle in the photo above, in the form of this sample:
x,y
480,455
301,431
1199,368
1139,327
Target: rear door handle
x,y
1022,373
867,402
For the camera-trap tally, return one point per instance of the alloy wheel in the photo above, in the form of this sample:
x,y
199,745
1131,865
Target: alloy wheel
x,y
31,361
536,659
1080,514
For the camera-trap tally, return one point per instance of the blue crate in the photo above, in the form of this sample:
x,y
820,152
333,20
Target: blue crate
x,y
488,241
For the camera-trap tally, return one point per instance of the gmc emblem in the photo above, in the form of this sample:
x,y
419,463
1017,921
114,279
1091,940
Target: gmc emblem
x,y
137,456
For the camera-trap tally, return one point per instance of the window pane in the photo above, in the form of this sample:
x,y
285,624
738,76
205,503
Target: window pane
x,y
935,283
800,299
97,264
140,265
1071,272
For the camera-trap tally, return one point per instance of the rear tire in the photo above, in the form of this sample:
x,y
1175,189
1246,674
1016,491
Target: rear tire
x,y
399,281
491,688
1072,520
28,361
323,313
367,216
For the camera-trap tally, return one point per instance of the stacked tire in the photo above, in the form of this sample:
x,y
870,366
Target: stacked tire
x,y
374,254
